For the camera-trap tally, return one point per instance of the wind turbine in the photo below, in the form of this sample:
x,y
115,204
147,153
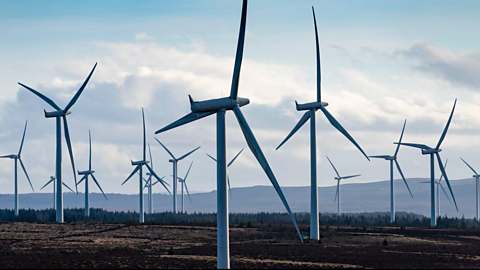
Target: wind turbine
x,y
393,159
86,174
427,150
18,158
52,180
183,182
310,114
339,179
228,166
439,185
219,107
139,168
61,114
174,162
150,184
477,181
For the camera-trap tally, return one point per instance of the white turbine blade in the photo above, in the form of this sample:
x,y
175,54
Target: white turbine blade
x,y
380,157
471,168
446,194
403,177
65,185
351,176
229,187
90,151
48,183
191,117
239,56
156,176
144,137
81,180
235,158
23,139
188,193
44,98
214,159
446,179
98,185
338,189
131,175
186,175
79,92
257,152
189,153
166,149
26,174
333,167
444,134
319,69
441,176
70,150
416,145
401,137
300,123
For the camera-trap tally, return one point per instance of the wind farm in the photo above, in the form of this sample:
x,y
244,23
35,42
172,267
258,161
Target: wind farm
x,y
279,204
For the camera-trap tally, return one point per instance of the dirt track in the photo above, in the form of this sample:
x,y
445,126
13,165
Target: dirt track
x,y
85,245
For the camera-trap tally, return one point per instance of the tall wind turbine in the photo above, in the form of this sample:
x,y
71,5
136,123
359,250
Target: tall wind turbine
x,y
312,109
139,168
174,162
86,174
52,180
183,182
61,114
219,107
150,184
228,166
17,158
339,179
393,159
435,152
438,186
477,181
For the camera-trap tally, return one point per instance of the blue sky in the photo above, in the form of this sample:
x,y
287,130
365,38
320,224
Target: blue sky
x,y
383,61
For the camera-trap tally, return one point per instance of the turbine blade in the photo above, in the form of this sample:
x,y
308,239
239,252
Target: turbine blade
x,y
26,174
440,164
441,176
403,177
48,183
351,176
79,92
98,185
23,139
239,56
70,150
65,185
150,152
380,157
338,189
90,151
214,159
44,98
188,193
257,152
81,180
144,138
335,169
446,194
444,134
337,125
416,145
156,176
189,153
8,156
131,175
471,168
233,160
401,137
185,120
229,187
186,175
319,70
300,123
166,149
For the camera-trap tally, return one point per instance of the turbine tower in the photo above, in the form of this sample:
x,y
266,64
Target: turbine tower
x,y
174,162
17,158
393,159
139,168
228,166
438,186
219,107
477,182
339,179
310,114
52,180
61,114
435,152
86,174
183,182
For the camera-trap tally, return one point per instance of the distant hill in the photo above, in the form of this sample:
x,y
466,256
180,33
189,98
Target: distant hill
x,y
356,198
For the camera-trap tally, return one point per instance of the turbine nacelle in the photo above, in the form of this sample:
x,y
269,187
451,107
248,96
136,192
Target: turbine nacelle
x,y
215,105
59,113
140,162
310,106
431,151
86,172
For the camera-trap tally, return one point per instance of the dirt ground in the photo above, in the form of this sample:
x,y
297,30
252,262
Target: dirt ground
x,y
89,245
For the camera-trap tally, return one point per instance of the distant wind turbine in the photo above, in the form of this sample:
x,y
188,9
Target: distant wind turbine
x,y
17,158
183,182
312,109
150,184
477,182
85,174
439,185
174,162
139,168
52,180
60,114
393,159
219,107
228,166
339,179
427,150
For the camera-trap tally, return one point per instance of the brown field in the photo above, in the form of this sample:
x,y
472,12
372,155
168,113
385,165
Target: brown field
x,y
88,245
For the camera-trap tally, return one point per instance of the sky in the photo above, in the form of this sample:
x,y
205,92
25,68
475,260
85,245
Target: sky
x,y
382,62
